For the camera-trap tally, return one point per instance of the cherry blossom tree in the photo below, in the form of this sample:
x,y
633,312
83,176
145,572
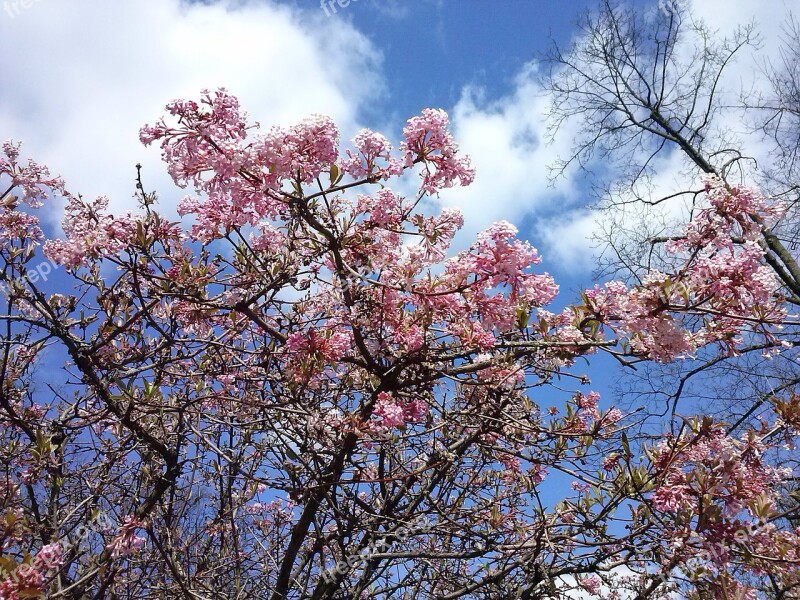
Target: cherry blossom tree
x,y
303,393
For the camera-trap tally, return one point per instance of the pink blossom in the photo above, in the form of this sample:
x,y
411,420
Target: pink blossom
x,y
589,401
312,298
412,337
19,226
728,283
579,486
33,180
415,410
19,584
390,413
591,584
126,541
611,462
394,413
90,233
510,462
329,344
428,140
373,149
611,417
50,557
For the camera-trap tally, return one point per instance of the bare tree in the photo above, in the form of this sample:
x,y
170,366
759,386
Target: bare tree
x,y
775,112
644,85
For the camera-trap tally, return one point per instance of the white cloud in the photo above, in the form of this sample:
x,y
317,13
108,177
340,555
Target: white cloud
x,y
505,139
726,15
80,78
567,241
393,9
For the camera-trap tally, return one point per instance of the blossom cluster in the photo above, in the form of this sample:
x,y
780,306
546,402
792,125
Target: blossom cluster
x,y
394,413
242,179
126,541
723,281
28,579
35,184
91,233
32,179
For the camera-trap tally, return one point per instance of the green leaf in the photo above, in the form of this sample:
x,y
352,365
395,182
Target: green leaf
x,y
625,445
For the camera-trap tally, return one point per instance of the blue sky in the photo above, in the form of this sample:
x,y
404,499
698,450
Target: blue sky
x,y
431,49
81,77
